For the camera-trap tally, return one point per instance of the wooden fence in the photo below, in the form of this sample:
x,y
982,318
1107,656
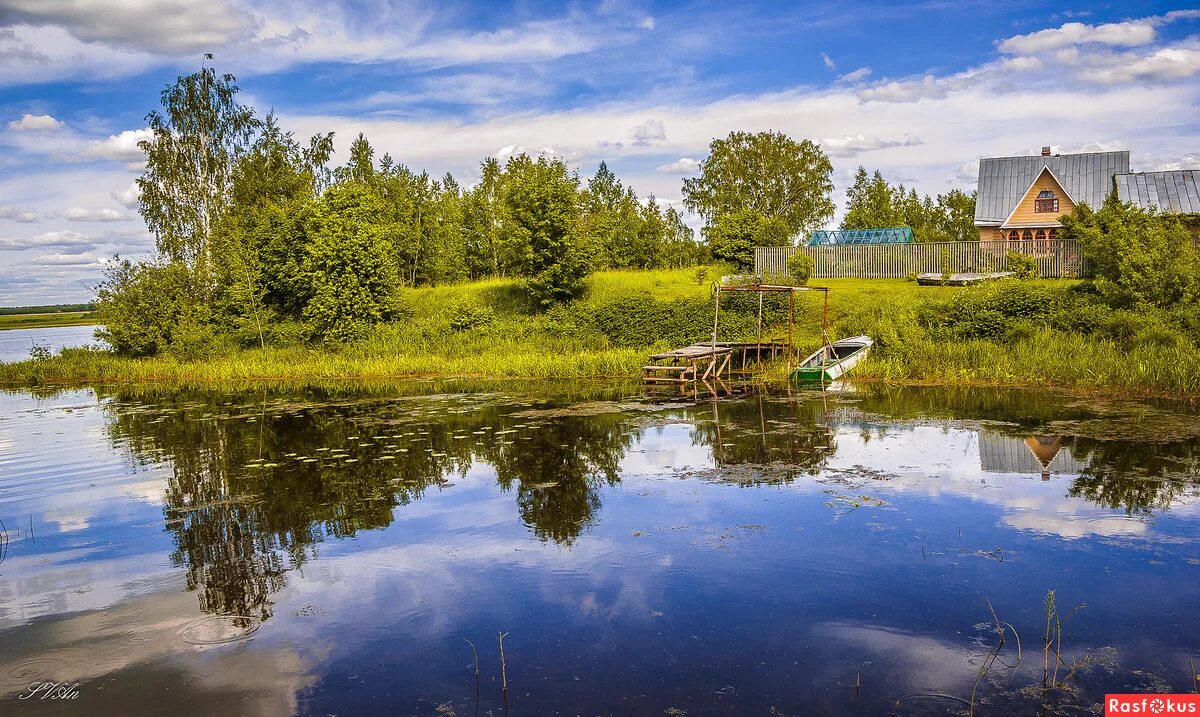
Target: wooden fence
x,y
1057,258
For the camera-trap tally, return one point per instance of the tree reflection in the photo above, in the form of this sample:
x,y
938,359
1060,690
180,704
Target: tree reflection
x,y
256,484
765,431
1138,477
558,468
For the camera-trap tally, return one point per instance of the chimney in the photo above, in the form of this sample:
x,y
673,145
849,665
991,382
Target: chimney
x,y
1046,151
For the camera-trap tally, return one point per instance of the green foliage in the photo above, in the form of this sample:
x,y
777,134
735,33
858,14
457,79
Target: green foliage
x,y
540,235
800,267
195,143
145,307
467,317
1136,256
768,174
1021,265
641,320
732,237
350,275
872,203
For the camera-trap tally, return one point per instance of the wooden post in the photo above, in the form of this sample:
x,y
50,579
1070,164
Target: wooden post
x,y
716,311
791,320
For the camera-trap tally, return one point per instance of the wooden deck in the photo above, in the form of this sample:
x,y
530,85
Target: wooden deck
x,y
701,362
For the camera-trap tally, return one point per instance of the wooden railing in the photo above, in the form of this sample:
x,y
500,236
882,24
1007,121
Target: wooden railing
x,y
1056,258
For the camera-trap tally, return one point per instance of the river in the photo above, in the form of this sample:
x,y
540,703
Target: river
x,y
354,550
16,343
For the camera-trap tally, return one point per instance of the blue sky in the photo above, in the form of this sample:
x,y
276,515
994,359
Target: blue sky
x,y
918,90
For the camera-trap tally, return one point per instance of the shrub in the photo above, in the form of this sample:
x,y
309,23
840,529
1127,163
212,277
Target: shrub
x,y
464,317
145,307
732,237
1137,256
1021,265
800,267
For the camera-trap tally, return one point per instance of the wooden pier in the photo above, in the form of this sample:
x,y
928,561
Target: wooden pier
x,y
715,360
698,362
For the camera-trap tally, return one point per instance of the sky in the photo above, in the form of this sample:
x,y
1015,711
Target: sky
x,y
917,90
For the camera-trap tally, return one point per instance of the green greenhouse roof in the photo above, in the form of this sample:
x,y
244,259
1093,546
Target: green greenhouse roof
x,y
899,235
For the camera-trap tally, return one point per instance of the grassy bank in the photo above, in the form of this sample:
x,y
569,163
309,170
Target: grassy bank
x,y
1037,333
41,321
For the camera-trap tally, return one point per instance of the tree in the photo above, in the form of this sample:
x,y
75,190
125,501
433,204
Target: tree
x,y
540,227
147,307
352,281
194,146
957,215
767,173
481,222
870,203
257,242
732,237
1137,256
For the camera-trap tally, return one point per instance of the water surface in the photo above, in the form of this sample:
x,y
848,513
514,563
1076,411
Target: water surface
x,y
340,551
16,343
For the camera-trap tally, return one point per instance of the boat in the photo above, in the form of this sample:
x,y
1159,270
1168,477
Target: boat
x,y
966,279
832,361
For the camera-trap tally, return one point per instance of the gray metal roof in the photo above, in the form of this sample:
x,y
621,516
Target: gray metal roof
x,y
1174,192
1004,180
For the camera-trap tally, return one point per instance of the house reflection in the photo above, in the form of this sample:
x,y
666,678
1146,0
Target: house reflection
x,y
1042,455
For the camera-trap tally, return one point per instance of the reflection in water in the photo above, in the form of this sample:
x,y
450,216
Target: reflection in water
x,y
577,523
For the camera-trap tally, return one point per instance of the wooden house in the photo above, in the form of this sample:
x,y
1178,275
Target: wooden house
x,y
1022,198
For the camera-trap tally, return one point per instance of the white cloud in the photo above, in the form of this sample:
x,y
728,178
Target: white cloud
x,y
1170,63
858,75
128,197
16,214
158,26
34,123
122,146
828,62
1130,33
647,23
683,165
61,238
80,214
86,259
913,90
856,144
648,132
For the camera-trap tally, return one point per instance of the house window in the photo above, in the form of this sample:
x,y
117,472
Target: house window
x,y
1046,202
1013,236
1040,235
1027,235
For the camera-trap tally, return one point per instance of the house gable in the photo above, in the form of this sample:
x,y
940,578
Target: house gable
x,y
1025,213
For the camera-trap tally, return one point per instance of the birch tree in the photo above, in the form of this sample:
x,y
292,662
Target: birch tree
x,y
195,143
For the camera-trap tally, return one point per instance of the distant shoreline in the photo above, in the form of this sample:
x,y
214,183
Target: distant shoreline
x,y
47,320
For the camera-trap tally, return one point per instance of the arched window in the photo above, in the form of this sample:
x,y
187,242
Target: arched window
x,y
1046,202
1013,236
1040,235
1053,233
1027,235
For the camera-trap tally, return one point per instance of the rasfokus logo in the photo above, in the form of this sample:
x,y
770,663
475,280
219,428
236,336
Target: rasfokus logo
x,y
1151,705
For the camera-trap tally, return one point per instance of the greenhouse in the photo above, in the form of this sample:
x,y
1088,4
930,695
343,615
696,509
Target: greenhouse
x,y
837,237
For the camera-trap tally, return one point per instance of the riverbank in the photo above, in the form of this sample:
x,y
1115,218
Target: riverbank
x,y
1031,333
48,320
